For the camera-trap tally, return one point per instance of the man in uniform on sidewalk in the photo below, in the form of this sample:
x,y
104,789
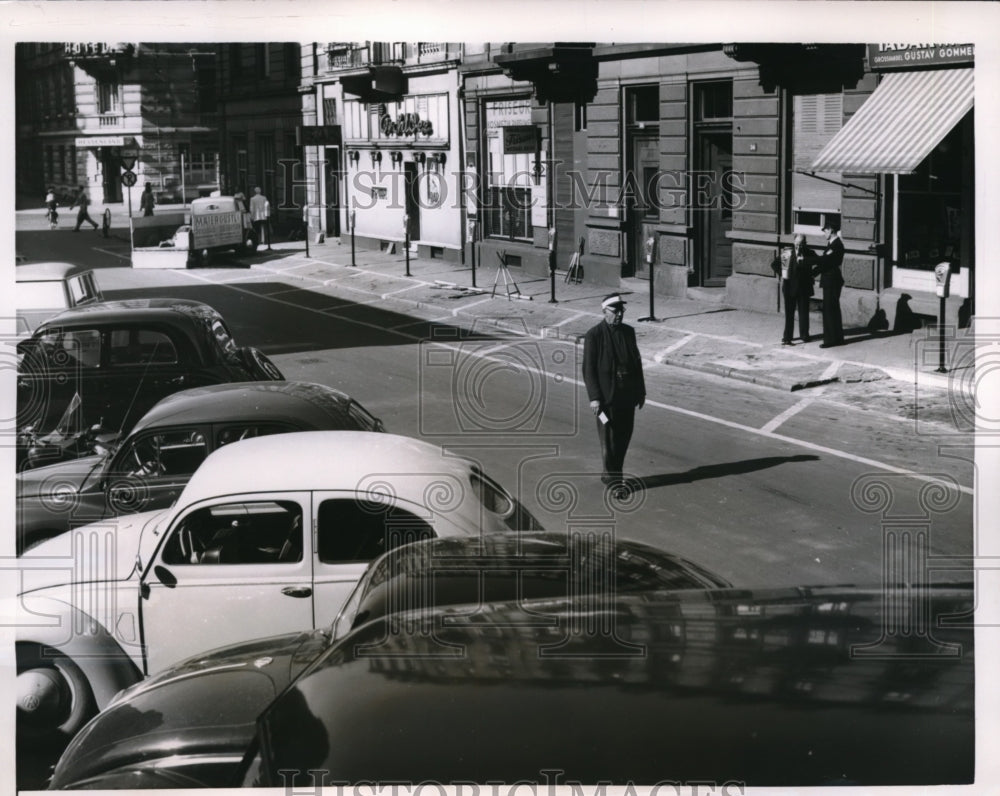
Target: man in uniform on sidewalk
x,y
612,372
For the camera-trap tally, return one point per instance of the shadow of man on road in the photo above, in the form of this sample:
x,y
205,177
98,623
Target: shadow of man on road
x,y
720,470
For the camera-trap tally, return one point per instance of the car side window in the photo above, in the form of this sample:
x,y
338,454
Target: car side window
x,y
237,431
72,349
164,453
259,532
358,530
141,347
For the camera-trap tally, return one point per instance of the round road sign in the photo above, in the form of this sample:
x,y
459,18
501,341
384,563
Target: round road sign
x,y
129,179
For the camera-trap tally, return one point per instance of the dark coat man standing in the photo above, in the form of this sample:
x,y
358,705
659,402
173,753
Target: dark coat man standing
x,y
827,268
794,267
612,372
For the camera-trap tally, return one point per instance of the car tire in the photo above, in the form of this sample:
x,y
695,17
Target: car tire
x,y
54,697
249,245
260,365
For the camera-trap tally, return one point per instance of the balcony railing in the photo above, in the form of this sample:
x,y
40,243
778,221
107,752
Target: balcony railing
x,y
110,120
344,55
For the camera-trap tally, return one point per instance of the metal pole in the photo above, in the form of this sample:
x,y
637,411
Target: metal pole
x,y
352,239
406,241
307,229
183,181
650,259
941,311
473,236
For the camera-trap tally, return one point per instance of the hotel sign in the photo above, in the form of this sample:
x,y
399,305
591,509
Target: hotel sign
x,y
907,56
102,140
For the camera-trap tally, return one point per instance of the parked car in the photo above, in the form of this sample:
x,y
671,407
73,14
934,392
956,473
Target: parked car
x,y
42,290
268,536
148,469
415,577
778,687
121,357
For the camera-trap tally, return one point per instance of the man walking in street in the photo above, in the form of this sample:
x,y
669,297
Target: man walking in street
x,y
260,214
612,372
82,201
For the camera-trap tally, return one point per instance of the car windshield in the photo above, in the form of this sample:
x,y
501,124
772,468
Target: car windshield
x,y
83,288
40,295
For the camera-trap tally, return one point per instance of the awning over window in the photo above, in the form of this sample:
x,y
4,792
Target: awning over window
x,y
900,123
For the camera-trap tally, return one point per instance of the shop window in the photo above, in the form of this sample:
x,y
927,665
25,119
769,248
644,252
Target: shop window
x,y
816,118
507,201
930,204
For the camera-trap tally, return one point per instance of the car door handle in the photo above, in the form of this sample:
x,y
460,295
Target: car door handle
x,y
297,591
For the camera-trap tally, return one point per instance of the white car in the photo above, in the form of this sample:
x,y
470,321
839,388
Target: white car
x,y
269,536
43,290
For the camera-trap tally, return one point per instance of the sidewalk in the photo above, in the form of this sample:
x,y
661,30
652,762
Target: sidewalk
x,y
701,333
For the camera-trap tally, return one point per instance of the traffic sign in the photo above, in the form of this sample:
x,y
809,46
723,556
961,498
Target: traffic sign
x,y
129,179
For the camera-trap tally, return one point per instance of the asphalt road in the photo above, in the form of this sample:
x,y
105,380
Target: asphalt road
x,y
745,480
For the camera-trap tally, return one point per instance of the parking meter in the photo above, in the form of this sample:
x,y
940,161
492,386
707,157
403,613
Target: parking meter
x,y
942,279
650,248
352,220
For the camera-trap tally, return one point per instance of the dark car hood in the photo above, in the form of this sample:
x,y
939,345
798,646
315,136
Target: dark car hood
x,y
65,475
205,705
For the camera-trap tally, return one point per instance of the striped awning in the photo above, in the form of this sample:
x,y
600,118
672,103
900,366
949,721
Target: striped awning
x,y
899,124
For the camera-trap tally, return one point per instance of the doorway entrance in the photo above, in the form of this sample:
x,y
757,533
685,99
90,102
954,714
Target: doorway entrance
x,y
713,207
643,210
111,171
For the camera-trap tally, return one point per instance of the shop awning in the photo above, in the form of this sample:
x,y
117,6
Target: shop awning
x,y
899,124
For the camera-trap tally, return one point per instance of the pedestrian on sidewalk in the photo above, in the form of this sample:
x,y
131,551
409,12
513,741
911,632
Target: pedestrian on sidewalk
x,y
612,372
82,201
795,271
147,201
827,268
50,203
260,214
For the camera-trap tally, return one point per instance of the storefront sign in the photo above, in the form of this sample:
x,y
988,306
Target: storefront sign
x,y
101,140
520,140
508,113
907,56
405,124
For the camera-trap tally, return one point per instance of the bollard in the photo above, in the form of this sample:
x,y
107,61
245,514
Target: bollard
x,y
106,223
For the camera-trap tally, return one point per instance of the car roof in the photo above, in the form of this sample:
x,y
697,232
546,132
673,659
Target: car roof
x,y
763,687
313,405
133,309
46,272
321,460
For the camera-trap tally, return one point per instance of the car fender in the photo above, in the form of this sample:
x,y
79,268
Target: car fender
x,y
107,666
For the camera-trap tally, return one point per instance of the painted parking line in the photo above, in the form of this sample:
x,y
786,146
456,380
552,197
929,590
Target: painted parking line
x,y
671,348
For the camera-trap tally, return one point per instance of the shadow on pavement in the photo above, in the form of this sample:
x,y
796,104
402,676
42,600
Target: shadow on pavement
x,y
279,319
721,470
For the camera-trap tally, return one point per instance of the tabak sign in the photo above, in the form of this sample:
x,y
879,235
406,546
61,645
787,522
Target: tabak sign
x,y
404,125
907,56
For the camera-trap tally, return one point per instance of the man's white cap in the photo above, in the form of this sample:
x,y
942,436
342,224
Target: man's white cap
x,y
612,301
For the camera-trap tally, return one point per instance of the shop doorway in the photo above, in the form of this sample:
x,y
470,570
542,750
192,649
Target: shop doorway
x,y
332,190
712,202
111,171
412,192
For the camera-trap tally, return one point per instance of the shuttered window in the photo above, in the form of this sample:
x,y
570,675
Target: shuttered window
x,y
816,118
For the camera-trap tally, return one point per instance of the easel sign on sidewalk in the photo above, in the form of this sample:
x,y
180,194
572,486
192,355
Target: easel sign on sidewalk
x,y
504,271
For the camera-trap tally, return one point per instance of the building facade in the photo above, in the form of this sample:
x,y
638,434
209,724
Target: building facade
x,y
260,113
84,109
384,144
